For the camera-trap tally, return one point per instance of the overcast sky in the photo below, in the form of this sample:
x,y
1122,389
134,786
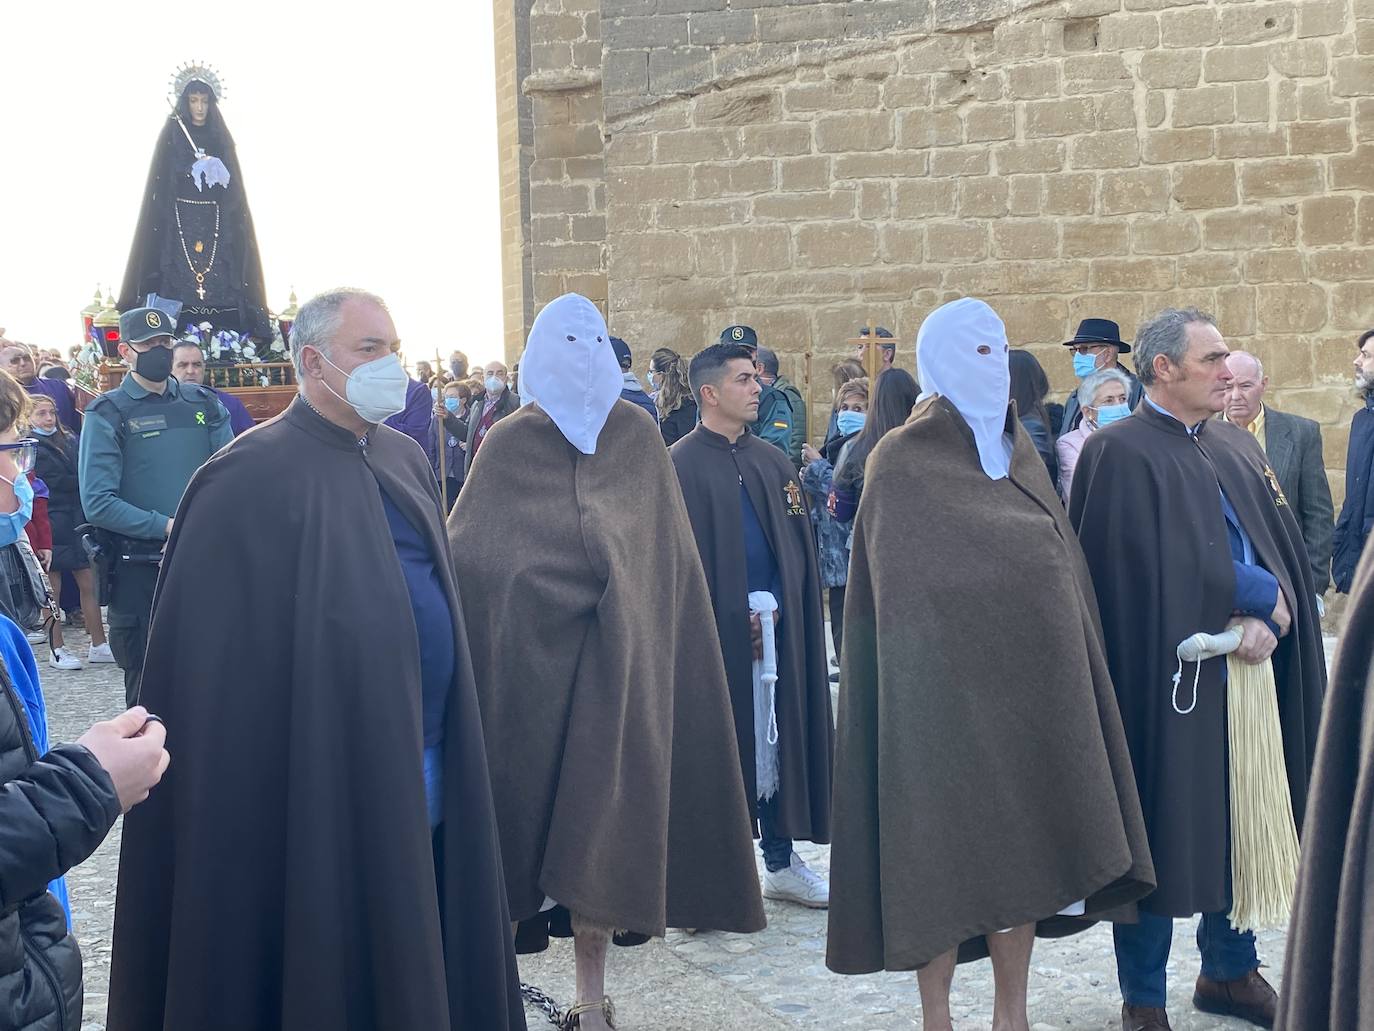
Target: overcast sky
x,y
366,135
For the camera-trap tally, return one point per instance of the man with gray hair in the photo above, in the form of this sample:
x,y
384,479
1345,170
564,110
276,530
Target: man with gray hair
x,y
1186,529
1294,448
327,845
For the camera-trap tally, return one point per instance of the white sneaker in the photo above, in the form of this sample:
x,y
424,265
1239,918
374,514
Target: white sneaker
x,y
798,883
100,653
36,636
61,658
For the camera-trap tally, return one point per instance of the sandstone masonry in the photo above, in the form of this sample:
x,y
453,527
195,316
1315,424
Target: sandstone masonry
x,y
808,166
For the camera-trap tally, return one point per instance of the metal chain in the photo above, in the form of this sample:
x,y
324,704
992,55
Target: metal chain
x,y
543,1003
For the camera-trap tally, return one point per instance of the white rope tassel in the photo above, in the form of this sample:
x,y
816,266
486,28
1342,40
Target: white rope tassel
x,y
1264,840
765,606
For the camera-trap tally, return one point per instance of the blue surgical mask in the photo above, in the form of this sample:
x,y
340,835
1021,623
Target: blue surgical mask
x,y
494,386
12,523
850,422
1084,364
451,403
1108,414
42,432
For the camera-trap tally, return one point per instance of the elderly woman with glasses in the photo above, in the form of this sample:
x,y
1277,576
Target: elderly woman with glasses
x,y
1104,395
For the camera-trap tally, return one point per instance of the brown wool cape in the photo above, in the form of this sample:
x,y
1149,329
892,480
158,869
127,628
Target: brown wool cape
x,y
602,695
1328,975
711,471
282,874
982,780
1147,506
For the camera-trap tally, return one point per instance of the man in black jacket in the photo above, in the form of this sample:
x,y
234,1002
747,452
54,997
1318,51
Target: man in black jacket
x,y
1357,512
490,406
1097,345
1294,448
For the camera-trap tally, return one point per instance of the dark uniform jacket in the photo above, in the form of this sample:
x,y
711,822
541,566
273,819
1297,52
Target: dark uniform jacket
x,y
1294,447
1357,513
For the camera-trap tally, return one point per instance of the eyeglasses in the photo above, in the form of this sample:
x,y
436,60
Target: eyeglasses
x,y
24,452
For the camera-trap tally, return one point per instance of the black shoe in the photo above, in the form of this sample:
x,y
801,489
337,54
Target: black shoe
x,y
1144,1018
1249,998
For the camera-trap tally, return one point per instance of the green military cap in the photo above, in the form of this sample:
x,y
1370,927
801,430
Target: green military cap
x,y
140,324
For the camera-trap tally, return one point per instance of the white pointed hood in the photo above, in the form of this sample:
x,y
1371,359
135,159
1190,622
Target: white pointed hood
x,y
568,368
962,356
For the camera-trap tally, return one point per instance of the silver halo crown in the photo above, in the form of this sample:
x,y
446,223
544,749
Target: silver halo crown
x,y
196,71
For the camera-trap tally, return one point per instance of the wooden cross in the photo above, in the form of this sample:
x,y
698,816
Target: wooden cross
x,y
872,346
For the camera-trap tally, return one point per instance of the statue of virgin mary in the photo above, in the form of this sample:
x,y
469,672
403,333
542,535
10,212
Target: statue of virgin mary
x,y
194,242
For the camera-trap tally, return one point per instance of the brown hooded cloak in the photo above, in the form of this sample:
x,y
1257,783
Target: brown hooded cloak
x,y
711,471
982,780
602,693
282,874
1328,975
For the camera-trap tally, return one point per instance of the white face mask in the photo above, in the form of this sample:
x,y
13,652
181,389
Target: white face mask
x,y
376,389
494,386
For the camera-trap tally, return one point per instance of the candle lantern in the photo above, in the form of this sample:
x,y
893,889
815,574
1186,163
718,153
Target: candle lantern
x,y
287,318
89,313
105,328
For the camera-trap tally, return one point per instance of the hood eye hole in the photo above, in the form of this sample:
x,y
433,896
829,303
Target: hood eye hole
x,y
984,349
599,340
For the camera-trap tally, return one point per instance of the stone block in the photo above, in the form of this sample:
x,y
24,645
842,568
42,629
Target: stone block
x,y
930,197
960,161
1095,73
679,70
987,122
902,242
1235,310
799,207
854,131
940,53
1321,18
648,184
558,199
690,214
1202,270
1025,196
1280,177
718,28
1059,117
800,174
737,107
842,245
1171,69
901,92
1316,104
1299,58
1275,267
917,130
649,30
1196,27
832,95
641,255
1319,138
984,197
1127,310
1253,102
1365,230
1106,150
1019,40
1045,277
875,200
1095,238
712,180
690,146
1142,190
1025,238
1128,32
801,23
1342,265
1030,156
1115,111
1364,120
1352,306
1033,81
1256,22
1236,64
1132,274
1205,105
762,248
1170,146
1070,194
1247,229
884,17
1244,141
957,241
1353,171
1168,234
897,164
1352,76
1291,308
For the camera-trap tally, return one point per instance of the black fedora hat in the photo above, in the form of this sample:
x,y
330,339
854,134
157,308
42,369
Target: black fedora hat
x,y
1099,331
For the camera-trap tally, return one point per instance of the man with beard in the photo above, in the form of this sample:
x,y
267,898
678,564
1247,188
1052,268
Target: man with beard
x,y
324,853
1357,511
1186,530
754,535
607,716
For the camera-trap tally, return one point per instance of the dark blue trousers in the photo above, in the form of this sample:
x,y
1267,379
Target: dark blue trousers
x,y
1142,950
777,852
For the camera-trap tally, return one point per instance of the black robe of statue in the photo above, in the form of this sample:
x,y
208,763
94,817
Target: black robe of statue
x,y
1328,973
710,470
1147,507
235,296
282,875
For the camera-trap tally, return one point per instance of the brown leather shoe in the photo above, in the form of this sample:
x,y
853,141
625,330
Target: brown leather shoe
x,y
1144,1018
1250,998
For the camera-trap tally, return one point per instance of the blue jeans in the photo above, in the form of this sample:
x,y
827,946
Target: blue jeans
x,y
1142,950
777,852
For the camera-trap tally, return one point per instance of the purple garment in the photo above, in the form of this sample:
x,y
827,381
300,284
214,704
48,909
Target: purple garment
x,y
417,420
61,395
239,419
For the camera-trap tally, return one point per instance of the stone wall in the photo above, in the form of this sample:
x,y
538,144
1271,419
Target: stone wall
x,y
806,167
515,149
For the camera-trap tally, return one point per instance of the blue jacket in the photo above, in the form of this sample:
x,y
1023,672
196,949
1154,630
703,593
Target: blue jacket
x,y
1357,512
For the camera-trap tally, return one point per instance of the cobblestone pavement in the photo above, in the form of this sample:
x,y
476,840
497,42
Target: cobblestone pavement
x,y
772,981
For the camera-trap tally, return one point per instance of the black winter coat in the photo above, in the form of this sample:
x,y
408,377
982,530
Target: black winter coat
x,y
681,421
55,465
54,812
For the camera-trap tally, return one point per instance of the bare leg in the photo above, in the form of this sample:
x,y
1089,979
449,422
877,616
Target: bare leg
x,y
1011,954
934,980
590,944
55,582
90,605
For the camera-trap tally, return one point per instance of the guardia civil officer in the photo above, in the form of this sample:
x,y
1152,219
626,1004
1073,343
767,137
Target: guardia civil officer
x,y
140,445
